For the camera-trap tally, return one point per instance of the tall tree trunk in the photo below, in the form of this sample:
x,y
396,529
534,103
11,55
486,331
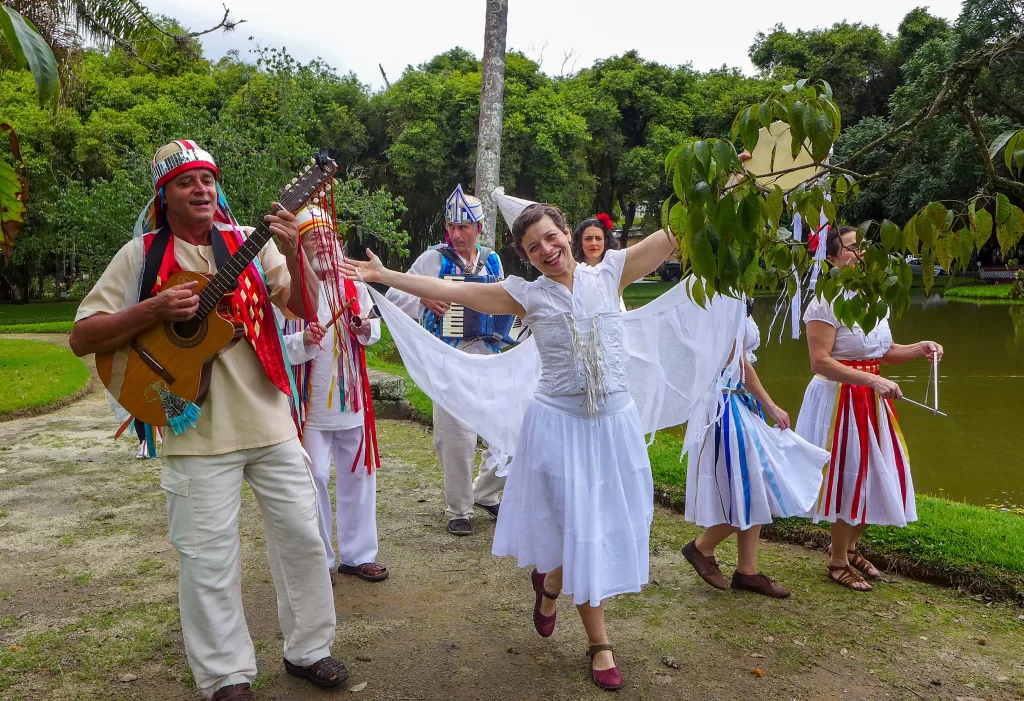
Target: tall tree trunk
x,y
492,109
628,210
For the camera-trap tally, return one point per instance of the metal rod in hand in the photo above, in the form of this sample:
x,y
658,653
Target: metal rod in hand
x,y
924,406
935,374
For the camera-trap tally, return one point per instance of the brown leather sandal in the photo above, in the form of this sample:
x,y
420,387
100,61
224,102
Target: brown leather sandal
x,y
328,672
847,577
370,571
862,564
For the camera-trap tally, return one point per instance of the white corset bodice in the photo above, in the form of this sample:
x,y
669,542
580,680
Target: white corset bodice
x,y
580,355
579,332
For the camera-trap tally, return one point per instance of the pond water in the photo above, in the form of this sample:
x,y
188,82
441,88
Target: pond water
x,y
977,453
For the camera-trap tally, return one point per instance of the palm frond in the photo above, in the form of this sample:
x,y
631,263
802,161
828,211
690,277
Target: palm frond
x,y
105,22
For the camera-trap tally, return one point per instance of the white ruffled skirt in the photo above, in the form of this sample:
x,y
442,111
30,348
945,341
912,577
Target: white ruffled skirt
x,y
579,495
867,479
746,472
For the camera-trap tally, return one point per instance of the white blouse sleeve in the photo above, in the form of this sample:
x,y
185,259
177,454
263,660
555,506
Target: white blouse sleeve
x,y
517,288
820,309
614,261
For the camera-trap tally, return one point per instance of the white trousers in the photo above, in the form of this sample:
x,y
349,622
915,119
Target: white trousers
x,y
356,494
455,444
204,494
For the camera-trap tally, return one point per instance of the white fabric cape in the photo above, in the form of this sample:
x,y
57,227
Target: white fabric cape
x,y
674,352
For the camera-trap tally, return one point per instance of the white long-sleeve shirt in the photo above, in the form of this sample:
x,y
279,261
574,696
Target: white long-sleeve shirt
x,y
429,265
325,385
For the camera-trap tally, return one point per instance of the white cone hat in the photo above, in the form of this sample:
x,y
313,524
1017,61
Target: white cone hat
x,y
510,207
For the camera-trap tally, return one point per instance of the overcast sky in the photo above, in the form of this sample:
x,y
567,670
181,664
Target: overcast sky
x,y
356,36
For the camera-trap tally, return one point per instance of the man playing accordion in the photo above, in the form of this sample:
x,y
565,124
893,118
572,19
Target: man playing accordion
x,y
470,332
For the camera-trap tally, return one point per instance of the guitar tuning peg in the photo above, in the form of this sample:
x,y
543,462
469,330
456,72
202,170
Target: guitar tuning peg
x,y
307,169
288,186
294,180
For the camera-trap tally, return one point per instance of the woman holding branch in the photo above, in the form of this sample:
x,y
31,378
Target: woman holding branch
x,y
848,410
579,498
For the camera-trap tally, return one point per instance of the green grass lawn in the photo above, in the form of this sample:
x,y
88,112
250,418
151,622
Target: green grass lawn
x,y
38,317
35,374
640,293
980,292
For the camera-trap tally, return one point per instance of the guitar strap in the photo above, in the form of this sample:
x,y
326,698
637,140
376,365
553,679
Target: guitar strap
x,y
158,248
154,259
221,254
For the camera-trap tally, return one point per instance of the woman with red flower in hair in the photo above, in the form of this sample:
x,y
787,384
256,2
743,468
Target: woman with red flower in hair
x,y
591,239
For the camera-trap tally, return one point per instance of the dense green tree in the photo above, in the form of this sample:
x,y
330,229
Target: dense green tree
x,y
854,58
940,160
592,141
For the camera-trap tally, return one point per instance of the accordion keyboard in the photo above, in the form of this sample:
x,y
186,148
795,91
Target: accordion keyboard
x,y
453,323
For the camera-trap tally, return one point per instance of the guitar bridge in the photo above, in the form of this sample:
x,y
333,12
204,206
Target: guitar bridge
x,y
152,363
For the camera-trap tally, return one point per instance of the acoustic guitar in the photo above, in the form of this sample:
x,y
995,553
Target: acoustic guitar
x,y
164,373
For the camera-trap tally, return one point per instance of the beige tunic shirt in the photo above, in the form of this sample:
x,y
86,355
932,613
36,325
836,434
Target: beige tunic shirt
x,y
243,408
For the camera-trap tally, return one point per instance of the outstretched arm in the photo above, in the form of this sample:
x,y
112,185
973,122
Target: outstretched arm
x,y
488,298
643,258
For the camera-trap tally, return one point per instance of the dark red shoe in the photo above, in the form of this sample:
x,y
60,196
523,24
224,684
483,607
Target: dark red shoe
x,y
545,625
609,679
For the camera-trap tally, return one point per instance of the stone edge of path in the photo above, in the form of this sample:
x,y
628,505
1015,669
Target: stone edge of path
x,y
57,338
995,585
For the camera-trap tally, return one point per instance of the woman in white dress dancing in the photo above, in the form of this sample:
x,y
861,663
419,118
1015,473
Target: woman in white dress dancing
x,y
579,498
848,410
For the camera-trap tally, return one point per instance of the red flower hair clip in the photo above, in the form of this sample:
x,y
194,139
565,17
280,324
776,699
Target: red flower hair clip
x,y
606,221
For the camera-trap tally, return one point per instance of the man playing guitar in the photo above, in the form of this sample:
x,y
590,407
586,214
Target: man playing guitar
x,y
244,430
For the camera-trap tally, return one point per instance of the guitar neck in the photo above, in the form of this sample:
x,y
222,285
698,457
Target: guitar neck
x,y
227,276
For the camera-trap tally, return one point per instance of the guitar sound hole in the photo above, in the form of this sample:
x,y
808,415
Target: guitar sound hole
x,y
187,334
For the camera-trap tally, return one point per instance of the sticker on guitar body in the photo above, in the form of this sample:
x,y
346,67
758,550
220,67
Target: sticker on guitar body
x,y
153,392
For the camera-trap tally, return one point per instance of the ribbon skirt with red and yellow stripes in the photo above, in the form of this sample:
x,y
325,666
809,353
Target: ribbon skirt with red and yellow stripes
x,y
867,479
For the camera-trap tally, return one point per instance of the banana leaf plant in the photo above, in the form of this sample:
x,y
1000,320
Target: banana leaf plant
x,y
32,53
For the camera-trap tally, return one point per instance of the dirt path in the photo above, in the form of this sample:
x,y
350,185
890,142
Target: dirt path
x,y
88,593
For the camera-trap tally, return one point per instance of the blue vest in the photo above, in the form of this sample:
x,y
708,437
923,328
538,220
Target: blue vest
x,y
492,264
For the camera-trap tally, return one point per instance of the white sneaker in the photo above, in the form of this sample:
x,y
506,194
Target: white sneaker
x,y
141,453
